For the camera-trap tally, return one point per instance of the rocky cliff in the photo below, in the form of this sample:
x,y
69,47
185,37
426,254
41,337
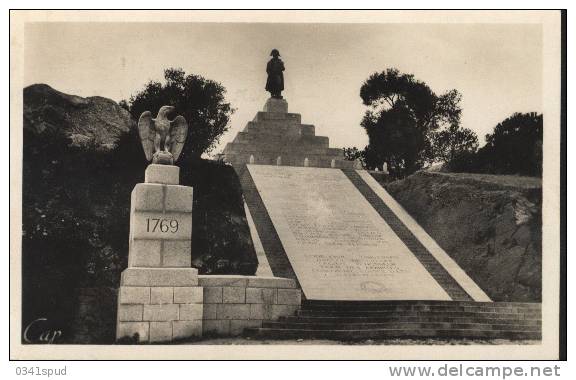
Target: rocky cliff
x,y
490,224
93,121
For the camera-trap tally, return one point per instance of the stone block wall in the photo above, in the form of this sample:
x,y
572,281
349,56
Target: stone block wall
x,y
157,305
213,305
233,303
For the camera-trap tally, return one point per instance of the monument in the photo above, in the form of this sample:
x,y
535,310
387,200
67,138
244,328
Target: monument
x,y
326,223
159,297
357,255
334,248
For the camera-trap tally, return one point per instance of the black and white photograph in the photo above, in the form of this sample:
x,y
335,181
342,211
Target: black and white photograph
x,y
285,184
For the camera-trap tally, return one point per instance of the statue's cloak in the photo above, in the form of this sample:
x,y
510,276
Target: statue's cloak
x,y
275,81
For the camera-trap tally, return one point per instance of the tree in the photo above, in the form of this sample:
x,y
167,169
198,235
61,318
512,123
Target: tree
x,y
515,146
353,154
201,101
395,139
453,141
403,115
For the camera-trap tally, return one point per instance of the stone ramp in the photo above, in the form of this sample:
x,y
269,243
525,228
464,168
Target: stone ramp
x,y
343,237
440,274
314,223
350,321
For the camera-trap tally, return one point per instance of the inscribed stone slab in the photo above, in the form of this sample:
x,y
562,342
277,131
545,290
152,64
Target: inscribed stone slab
x,y
339,246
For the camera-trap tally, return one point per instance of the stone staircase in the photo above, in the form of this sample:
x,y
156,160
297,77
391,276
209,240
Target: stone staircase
x,y
362,320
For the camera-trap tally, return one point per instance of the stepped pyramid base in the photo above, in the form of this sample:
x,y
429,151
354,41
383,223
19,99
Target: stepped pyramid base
x,y
355,321
277,137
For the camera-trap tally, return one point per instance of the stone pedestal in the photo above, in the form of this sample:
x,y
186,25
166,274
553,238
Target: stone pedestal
x,y
160,300
276,105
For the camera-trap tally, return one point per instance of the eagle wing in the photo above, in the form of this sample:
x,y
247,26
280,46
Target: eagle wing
x,y
178,132
147,132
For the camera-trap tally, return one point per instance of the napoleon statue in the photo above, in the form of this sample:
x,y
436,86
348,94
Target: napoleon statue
x,y
274,69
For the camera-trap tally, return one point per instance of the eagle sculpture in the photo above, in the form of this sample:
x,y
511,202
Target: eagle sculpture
x,y
161,138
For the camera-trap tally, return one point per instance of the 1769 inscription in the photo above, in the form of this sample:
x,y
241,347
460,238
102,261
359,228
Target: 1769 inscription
x,y
155,225
161,225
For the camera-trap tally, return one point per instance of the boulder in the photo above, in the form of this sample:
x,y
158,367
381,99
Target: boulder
x,y
94,121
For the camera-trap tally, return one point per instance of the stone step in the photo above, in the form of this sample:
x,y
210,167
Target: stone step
x,y
312,303
360,320
426,318
401,308
278,149
274,127
286,117
403,325
265,132
272,333
417,313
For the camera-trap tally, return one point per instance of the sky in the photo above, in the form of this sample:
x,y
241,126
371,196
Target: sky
x,y
496,67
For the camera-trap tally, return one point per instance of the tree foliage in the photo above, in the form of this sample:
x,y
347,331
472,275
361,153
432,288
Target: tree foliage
x,y
405,120
515,146
453,141
201,101
353,154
